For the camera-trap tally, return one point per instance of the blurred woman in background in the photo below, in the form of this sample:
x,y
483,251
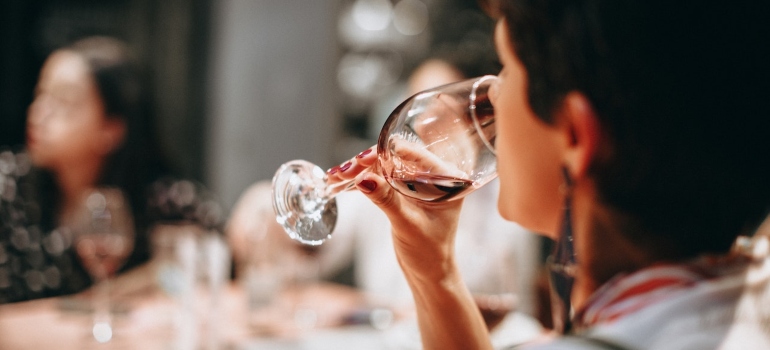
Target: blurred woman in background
x,y
90,124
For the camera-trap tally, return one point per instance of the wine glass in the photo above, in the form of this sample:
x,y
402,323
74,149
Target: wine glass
x,y
494,294
103,237
437,145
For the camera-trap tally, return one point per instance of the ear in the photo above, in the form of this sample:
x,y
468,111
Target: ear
x,y
581,132
114,131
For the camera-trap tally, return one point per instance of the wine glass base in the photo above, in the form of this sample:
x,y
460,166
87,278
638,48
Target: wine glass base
x,y
102,332
300,202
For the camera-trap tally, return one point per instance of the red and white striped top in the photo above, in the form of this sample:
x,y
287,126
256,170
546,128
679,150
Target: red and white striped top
x,y
625,294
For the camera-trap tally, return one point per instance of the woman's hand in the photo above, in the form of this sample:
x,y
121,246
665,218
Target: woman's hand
x,y
423,237
423,232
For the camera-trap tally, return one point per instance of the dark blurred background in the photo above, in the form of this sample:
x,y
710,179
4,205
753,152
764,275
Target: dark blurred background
x,y
242,86
171,37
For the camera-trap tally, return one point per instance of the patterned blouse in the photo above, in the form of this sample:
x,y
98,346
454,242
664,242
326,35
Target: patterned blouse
x,y
38,261
33,260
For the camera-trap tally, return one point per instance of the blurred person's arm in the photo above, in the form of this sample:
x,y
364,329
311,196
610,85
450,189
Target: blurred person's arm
x,y
249,221
253,222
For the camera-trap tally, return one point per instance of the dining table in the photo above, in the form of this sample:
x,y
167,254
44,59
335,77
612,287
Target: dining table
x,y
336,317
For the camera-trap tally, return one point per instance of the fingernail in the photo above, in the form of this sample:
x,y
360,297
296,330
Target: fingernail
x,y
334,170
364,153
345,166
367,186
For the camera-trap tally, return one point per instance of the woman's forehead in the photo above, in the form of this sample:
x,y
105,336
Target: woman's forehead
x,y
501,38
66,67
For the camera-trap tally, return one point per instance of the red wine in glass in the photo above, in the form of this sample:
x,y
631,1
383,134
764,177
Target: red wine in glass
x,y
431,188
495,307
103,255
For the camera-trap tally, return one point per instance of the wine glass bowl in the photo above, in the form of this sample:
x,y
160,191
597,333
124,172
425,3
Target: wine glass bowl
x,y
495,307
437,145
105,238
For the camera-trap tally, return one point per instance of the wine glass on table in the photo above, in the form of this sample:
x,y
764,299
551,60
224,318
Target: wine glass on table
x,y
103,237
437,145
495,294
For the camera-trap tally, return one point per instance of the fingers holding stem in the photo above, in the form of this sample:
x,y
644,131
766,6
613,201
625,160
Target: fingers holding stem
x,y
340,177
351,168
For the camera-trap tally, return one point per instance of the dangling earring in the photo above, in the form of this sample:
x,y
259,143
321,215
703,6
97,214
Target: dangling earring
x,y
561,265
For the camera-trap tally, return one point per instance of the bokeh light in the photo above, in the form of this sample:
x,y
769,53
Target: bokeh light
x,y
372,15
410,17
102,332
361,74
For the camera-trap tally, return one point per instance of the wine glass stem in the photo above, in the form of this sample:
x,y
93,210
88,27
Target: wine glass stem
x,y
335,188
102,302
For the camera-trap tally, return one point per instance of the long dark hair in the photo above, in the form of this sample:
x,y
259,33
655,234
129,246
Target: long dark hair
x,y
124,86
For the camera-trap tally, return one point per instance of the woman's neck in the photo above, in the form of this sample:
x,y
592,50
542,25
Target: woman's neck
x,y
73,181
602,249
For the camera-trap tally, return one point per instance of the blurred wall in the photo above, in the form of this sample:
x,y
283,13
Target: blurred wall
x,y
242,86
271,89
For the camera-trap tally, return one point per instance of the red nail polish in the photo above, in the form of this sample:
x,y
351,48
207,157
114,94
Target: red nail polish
x,y
334,170
345,166
364,153
367,186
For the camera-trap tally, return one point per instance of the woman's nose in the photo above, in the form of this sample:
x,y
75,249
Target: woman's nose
x,y
494,91
38,110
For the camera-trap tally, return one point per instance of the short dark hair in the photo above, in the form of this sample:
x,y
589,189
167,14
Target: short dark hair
x,y
681,92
